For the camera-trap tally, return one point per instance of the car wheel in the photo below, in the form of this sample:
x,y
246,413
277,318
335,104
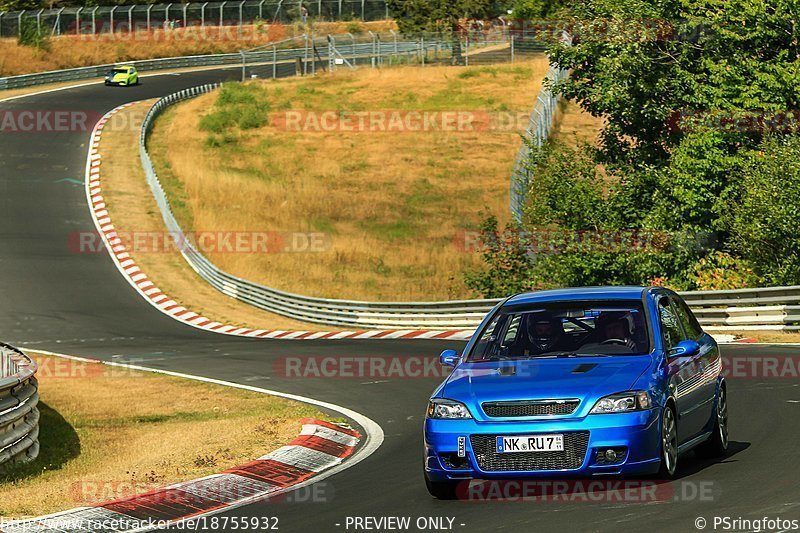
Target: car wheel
x,y
669,443
717,445
441,490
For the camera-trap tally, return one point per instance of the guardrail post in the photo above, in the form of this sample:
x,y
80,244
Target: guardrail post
x,y
305,55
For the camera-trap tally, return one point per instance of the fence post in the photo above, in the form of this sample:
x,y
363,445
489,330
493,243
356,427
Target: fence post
x,y
94,20
58,21
19,22
363,10
395,40
261,9
203,15
422,49
353,39
222,13
185,8
111,18
39,21
130,19
241,13
244,65
78,21
1,22
466,50
512,48
340,9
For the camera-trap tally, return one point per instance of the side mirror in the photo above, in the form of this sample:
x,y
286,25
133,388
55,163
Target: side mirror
x,y
449,358
687,348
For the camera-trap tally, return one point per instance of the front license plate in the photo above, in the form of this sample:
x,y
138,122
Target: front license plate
x,y
530,443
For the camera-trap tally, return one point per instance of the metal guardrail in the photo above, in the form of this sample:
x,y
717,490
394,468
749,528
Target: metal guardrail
x,y
19,415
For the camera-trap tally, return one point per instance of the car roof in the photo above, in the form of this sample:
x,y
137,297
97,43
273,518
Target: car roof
x,y
579,293
126,67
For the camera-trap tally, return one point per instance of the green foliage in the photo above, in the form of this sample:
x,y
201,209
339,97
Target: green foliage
x,y
721,271
238,105
414,16
535,9
509,269
675,81
31,34
765,222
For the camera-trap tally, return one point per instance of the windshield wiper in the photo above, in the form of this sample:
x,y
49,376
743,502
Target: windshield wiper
x,y
568,354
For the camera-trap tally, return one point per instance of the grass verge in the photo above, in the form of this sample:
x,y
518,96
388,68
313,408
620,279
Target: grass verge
x,y
396,209
134,212
108,433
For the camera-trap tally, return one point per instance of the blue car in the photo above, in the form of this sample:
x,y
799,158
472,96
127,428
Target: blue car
x,y
577,382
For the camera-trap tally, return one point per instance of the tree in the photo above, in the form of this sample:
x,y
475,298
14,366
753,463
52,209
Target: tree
x,y
439,16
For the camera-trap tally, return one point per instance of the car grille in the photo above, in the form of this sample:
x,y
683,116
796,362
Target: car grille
x,y
529,408
485,449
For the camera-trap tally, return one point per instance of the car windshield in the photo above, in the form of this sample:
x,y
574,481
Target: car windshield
x,y
118,71
564,329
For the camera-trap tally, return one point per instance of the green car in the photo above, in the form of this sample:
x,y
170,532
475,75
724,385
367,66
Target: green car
x,y
124,75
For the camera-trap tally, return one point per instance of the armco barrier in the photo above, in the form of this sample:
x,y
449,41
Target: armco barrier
x,y
19,416
746,309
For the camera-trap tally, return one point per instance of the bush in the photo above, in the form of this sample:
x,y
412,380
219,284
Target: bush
x,y
244,106
721,271
765,220
31,34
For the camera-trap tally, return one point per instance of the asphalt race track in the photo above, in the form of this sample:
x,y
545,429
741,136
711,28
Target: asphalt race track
x,y
54,299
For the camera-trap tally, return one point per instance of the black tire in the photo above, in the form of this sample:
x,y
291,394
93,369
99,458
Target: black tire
x,y
669,443
717,445
441,490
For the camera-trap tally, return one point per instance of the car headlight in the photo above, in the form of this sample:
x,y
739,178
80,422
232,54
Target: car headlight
x,y
450,409
623,402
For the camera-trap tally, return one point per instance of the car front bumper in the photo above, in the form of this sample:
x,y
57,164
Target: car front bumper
x,y
638,433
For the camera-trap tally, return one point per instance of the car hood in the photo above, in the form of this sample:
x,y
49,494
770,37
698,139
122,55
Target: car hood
x,y
584,378
120,77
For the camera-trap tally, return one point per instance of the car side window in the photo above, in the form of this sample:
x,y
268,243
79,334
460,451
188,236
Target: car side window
x,y
687,319
670,328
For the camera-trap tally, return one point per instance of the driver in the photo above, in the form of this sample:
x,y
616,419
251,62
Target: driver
x,y
543,334
618,331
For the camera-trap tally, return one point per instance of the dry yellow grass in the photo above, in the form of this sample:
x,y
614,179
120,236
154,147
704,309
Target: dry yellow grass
x,y
778,337
393,206
71,51
133,210
107,433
